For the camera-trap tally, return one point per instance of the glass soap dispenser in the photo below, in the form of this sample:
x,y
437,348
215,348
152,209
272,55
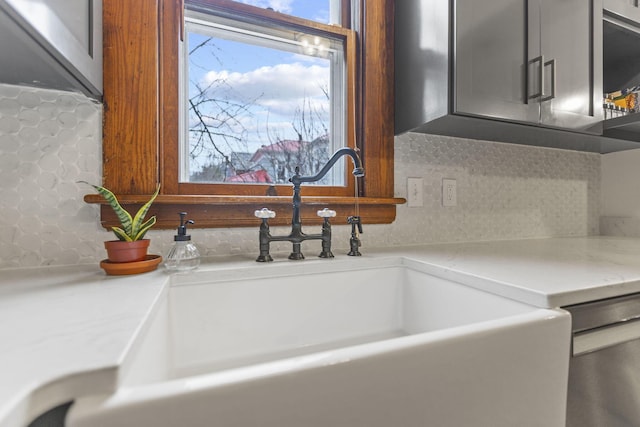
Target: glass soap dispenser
x,y
183,255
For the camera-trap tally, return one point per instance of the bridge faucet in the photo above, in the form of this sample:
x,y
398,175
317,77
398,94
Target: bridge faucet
x,y
296,237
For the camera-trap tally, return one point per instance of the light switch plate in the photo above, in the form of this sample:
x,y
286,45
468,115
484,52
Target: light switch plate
x,y
415,192
449,192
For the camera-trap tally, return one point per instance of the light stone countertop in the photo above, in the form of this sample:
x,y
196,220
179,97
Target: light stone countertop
x,y
66,331
547,273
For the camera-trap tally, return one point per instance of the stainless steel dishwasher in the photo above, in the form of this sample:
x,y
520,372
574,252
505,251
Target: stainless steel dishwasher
x,y
604,371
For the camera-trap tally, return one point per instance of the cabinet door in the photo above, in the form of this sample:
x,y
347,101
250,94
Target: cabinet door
x,y
572,64
491,60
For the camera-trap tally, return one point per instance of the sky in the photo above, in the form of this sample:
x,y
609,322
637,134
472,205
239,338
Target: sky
x,y
317,10
272,83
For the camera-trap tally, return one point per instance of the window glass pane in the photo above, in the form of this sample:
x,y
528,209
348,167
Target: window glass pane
x,y
325,11
259,102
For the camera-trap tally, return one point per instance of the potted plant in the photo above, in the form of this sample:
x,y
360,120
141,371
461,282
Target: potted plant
x,y
131,245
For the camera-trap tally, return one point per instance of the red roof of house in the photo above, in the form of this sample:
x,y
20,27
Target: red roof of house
x,y
278,147
255,176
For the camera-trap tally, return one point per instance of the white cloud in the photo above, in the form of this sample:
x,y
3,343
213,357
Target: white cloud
x,y
272,95
281,89
283,6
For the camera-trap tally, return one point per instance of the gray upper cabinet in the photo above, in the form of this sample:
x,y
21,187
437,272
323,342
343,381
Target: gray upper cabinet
x,y
490,60
519,71
570,40
52,43
528,61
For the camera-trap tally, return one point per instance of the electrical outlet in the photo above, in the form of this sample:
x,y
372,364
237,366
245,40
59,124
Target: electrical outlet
x,y
414,192
449,192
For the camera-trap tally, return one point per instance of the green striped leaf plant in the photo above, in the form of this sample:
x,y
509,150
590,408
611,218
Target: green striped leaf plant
x,y
131,228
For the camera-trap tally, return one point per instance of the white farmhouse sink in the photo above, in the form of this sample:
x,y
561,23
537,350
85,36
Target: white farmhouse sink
x,y
381,344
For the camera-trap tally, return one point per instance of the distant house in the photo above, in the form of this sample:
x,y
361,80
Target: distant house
x,y
240,163
259,176
273,164
280,159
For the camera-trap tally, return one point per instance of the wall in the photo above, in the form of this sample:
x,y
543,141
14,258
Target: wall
x,y
620,194
49,140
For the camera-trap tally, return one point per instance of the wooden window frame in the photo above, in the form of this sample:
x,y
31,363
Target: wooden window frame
x,y
140,132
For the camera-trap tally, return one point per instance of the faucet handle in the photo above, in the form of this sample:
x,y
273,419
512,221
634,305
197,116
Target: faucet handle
x,y
264,213
326,213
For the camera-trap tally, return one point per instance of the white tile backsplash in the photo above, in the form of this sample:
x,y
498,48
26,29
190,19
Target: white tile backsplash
x,y
504,191
49,140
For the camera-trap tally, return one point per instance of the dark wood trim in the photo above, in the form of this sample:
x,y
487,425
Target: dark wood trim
x,y
377,91
130,132
168,87
131,199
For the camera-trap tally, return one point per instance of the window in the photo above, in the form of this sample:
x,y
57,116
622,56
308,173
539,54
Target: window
x,y
259,101
216,158
141,121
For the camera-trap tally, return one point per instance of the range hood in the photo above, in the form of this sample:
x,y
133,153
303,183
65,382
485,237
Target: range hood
x,y
54,45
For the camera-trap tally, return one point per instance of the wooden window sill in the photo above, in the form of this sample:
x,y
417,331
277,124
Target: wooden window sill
x,y
237,211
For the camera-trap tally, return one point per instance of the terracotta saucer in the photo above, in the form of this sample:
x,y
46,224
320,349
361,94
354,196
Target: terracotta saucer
x,y
150,263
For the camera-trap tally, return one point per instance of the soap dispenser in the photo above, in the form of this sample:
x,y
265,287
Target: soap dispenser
x,y
183,255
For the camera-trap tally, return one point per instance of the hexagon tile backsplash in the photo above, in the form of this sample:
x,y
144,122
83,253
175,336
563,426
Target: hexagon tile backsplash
x,y
49,140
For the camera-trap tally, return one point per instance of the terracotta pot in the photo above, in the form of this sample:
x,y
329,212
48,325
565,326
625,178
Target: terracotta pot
x,y
121,251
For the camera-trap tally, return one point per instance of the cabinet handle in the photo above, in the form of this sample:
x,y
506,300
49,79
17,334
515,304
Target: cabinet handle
x,y
539,59
552,63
